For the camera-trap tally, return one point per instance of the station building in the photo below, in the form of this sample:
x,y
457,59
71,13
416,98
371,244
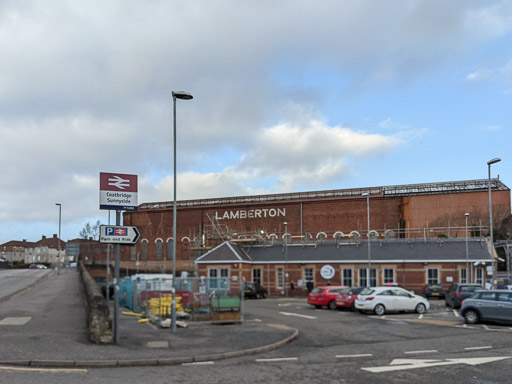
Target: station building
x,y
426,220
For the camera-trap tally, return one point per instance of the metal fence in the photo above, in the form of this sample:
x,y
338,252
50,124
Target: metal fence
x,y
197,299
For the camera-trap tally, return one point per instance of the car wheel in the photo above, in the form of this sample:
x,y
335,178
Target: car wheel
x,y
420,308
471,317
379,310
332,305
353,307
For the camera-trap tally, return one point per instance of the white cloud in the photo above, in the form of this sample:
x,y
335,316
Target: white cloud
x,y
492,128
479,75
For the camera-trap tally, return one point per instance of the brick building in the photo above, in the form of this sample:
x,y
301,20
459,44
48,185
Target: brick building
x,y
426,211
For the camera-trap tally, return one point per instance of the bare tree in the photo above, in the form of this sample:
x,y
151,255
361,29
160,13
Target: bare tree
x,y
91,232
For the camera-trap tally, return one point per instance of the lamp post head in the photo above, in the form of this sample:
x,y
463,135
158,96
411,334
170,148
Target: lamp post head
x,y
182,95
365,194
59,204
493,161
466,214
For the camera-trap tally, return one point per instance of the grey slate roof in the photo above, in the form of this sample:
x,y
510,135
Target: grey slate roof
x,y
415,250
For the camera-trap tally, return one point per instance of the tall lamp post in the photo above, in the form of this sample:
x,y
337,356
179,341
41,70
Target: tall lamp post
x,y
286,258
368,271
58,256
467,253
491,248
182,96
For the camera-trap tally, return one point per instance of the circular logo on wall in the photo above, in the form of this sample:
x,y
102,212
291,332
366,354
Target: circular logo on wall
x,y
327,272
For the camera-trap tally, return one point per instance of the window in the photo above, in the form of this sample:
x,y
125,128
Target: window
x,y
463,275
505,296
389,275
479,276
488,296
133,253
144,250
362,277
159,244
279,278
433,276
347,277
218,278
256,276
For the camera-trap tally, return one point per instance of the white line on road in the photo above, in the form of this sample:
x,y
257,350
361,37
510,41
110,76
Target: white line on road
x,y
425,351
277,359
348,356
297,315
478,348
58,370
486,327
456,313
200,363
420,317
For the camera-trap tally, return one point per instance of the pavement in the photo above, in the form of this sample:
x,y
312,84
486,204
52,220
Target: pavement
x,y
45,325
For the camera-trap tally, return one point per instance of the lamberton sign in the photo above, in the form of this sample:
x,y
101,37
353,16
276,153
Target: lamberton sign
x,y
259,213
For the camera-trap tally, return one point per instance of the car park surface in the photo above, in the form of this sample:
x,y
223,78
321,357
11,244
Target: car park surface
x,y
457,292
325,296
383,299
488,305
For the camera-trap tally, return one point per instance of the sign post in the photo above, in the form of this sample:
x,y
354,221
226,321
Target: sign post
x,y
118,192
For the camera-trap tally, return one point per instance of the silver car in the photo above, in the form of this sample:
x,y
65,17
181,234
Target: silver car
x,y
490,305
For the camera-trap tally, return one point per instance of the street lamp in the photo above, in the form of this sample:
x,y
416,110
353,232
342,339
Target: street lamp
x,y
368,271
467,253
491,248
182,96
286,258
58,257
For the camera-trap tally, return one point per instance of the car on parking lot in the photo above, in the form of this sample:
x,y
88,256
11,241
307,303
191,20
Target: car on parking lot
x,y
37,266
457,292
254,291
325,296
488,305
433,290
347,297
380,300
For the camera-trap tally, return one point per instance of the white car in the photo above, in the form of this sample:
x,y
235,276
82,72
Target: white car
x,y
383,299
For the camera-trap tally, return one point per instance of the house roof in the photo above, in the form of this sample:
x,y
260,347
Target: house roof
x,y
390,251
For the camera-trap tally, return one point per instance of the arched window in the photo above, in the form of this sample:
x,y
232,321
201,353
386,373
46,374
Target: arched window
x,y
159,243
144,249
169,248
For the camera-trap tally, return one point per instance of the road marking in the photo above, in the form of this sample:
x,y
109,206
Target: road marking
x,y
297,315
456,313
284,305
277,359
404,364
420,317
486,327
425,351
58,370
200,363
348,356
435,322
15,320
477,348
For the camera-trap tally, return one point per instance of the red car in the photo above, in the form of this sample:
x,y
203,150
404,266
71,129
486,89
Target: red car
x,y
325,296
347,297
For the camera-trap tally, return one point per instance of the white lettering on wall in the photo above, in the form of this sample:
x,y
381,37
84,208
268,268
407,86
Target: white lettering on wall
x,y
251,213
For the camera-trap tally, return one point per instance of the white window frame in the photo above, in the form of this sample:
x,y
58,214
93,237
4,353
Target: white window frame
x,y
280,277
385,279
347,279
432,280
463,275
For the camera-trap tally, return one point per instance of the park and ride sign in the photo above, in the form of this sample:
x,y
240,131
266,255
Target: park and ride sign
x,y
118,191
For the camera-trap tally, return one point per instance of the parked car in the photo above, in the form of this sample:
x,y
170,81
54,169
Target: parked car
x,y
37,266
488,305
433,290
347,297
325,296
385,299
458,292
254,291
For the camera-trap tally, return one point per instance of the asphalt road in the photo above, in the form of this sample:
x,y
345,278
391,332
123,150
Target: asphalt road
x,y
334,347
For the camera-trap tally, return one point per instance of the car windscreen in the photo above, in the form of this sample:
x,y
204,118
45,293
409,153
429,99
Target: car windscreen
x,y
317,290
356,291
366,291
344,291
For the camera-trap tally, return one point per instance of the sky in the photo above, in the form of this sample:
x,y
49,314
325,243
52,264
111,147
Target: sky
x,y
289,96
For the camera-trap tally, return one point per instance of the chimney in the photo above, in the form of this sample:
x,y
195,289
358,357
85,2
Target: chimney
x,y
54,235
44,237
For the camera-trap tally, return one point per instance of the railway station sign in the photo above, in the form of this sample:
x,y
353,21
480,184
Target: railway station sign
x,y
118,191
115,234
